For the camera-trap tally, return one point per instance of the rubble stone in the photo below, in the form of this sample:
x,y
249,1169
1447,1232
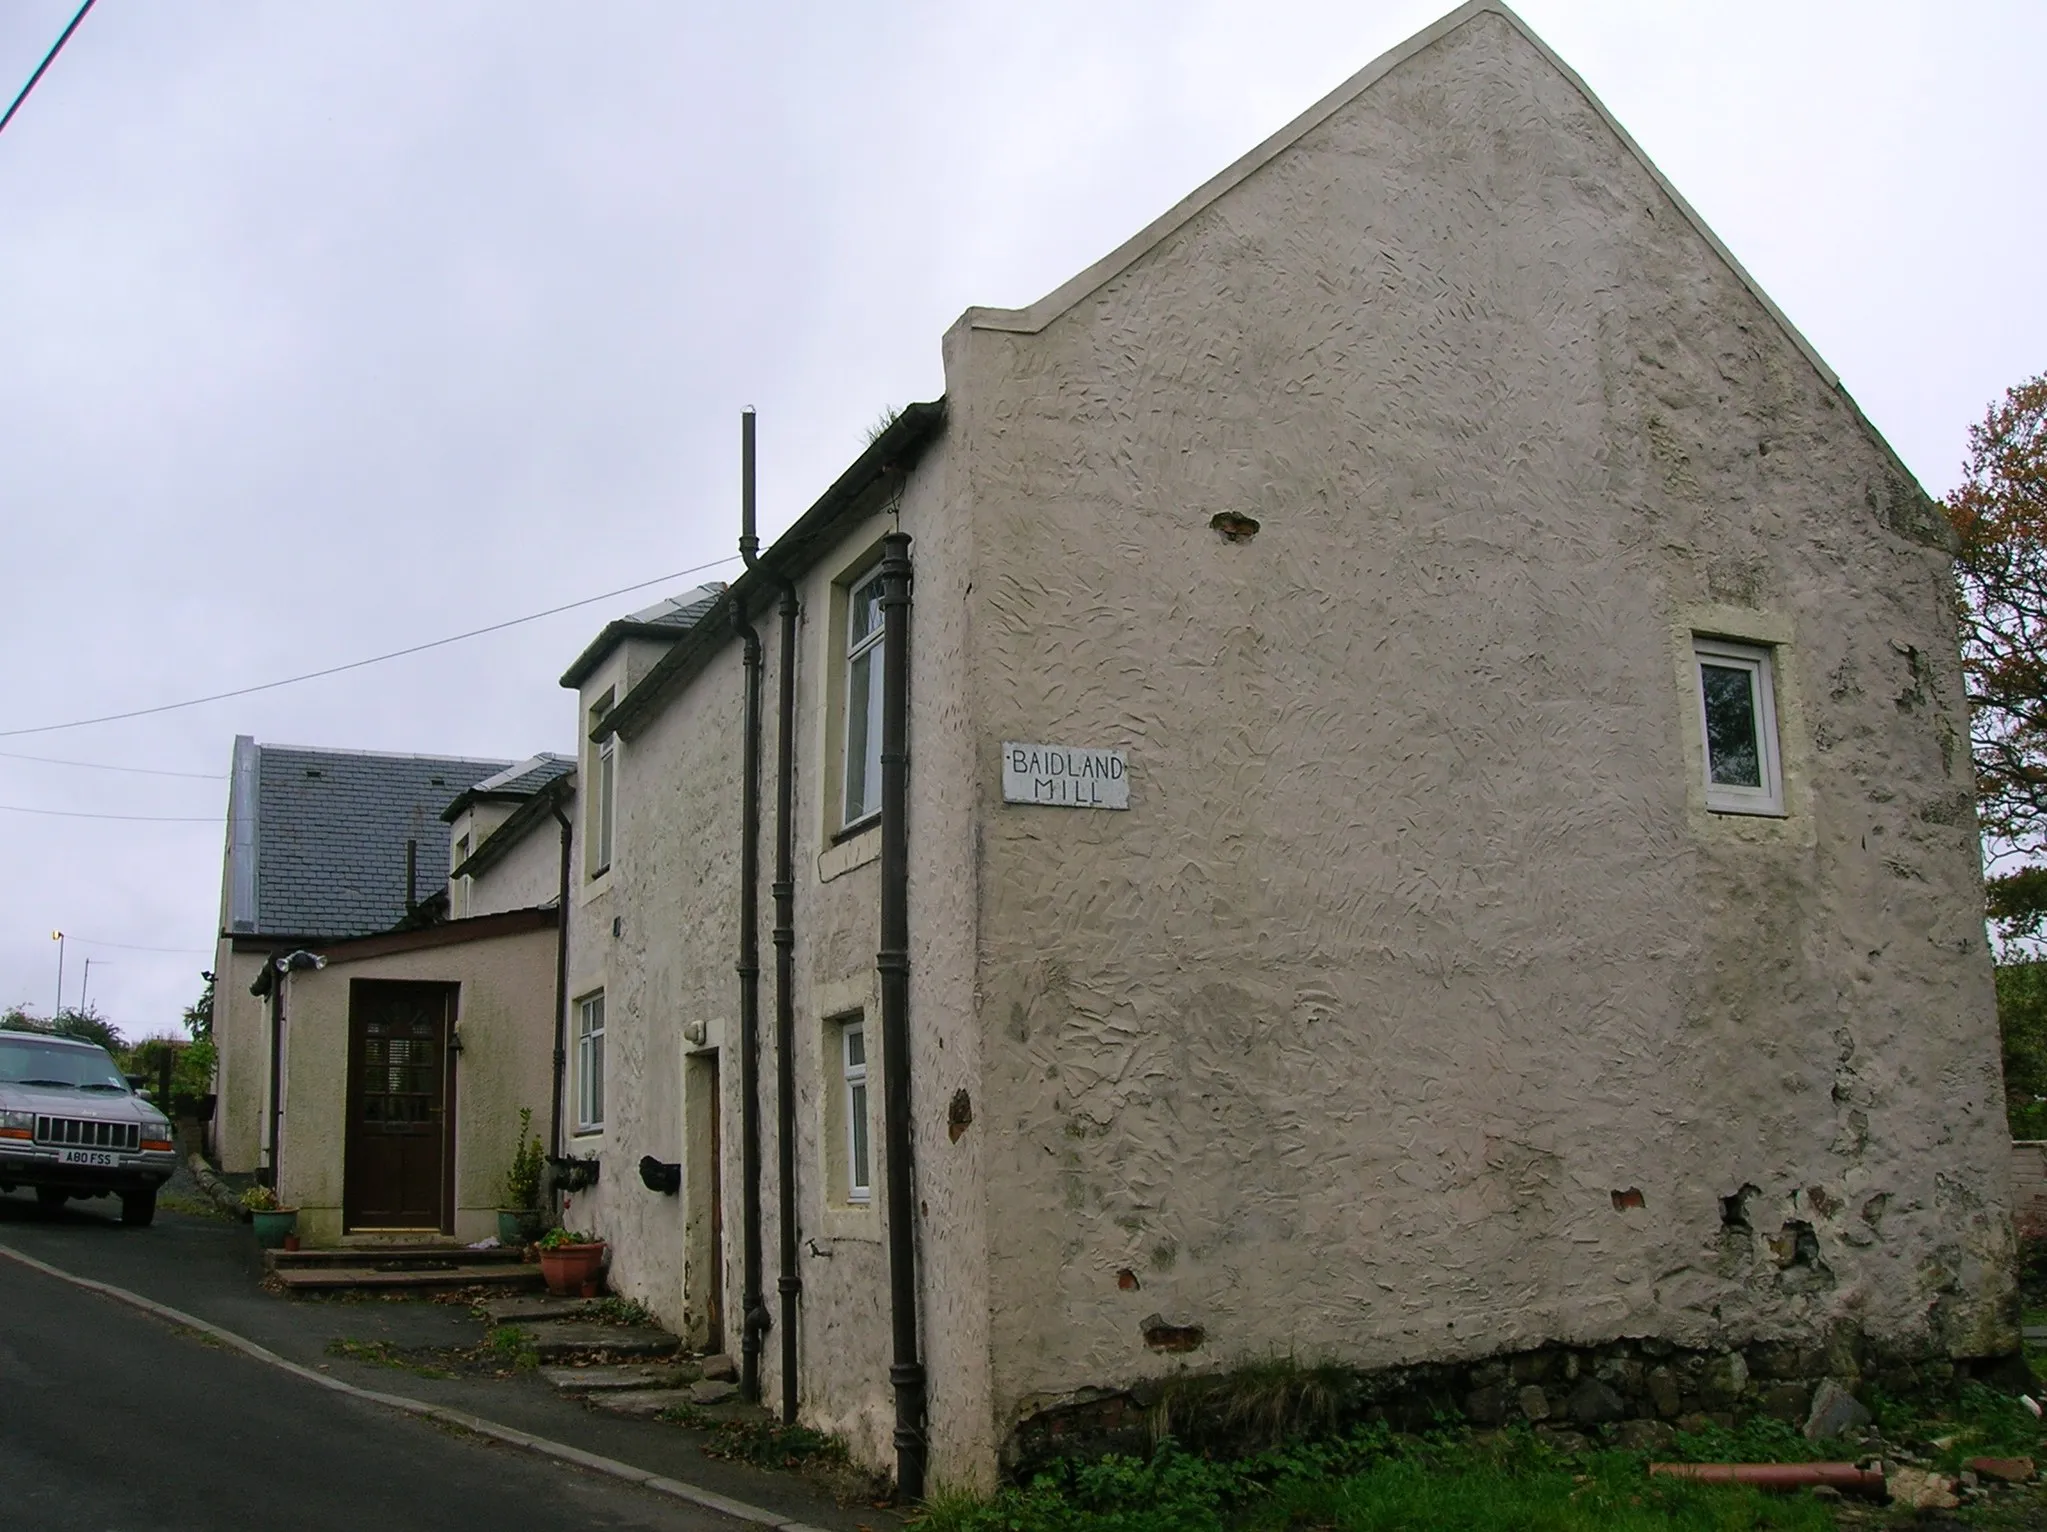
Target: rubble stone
x,y
1835,1412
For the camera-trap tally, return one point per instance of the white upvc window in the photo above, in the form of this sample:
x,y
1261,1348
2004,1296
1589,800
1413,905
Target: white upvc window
x,y
853,1060
607,782
590,1063
603,784
865,659
1738,727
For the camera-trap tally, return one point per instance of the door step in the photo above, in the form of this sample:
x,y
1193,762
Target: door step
x,y
388,1256
564,1340
405,1276
621,1379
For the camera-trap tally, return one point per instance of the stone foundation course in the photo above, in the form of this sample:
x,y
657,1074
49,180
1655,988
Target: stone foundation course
x,y
1635,1392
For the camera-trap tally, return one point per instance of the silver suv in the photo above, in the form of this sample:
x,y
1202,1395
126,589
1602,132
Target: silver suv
x,y
71,1127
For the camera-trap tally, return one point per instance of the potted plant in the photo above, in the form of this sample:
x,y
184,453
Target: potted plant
x,y
571,1263
273,1224
519,1216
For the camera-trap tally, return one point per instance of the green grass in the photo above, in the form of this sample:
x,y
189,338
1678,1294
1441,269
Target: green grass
x,y
382,1354
618,1311
1371,1481
510,1346
763,1443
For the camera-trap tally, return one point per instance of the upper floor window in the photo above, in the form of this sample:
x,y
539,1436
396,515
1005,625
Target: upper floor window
x,y
456,859
603,798
1738,723
865,657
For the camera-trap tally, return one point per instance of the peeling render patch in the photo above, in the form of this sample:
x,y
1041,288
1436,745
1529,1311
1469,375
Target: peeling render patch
x,y
1161,1334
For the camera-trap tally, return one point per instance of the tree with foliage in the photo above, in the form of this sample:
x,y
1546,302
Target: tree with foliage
x,y
2000,519
2022,1020
199,1014
86,1025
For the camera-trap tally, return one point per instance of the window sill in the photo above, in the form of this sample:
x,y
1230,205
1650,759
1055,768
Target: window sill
x,y
851,1221
1748,811
857,828
853,848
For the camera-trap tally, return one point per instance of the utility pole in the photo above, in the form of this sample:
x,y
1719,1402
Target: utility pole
x,y
58,938
86,983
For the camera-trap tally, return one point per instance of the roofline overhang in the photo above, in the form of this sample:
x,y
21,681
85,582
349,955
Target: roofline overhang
x,y
537,809
448,933
892,454
610,637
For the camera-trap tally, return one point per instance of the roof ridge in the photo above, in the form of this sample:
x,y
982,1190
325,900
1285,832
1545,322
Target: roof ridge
x,y
385,755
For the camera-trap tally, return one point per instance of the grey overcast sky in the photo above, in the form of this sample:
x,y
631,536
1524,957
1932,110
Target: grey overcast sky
x,y
335,325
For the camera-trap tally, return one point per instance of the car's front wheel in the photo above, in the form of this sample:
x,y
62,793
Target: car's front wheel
x,y
138,1209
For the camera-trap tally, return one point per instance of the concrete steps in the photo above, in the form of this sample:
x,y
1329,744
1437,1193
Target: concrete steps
x,y
386,1257
416,1268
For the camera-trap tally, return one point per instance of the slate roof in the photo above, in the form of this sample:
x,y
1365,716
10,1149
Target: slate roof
x,y
317,838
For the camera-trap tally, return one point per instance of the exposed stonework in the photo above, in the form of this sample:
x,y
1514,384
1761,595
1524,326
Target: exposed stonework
x,y
1634,1392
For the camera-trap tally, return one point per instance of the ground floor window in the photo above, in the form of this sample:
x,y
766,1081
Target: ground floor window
x,y
590,1063
853,1065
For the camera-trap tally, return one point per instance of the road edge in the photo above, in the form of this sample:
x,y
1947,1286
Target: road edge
x,y
675,1489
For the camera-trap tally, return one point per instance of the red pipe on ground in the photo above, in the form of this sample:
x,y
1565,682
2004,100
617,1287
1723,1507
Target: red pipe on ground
x,y
1842,1476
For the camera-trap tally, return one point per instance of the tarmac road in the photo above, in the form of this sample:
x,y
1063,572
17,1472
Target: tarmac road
x,y
112,1421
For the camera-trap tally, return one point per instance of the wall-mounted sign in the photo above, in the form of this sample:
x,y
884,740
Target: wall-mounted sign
x,y
1065,776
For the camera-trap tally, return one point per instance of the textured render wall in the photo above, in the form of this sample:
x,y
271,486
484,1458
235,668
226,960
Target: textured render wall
x,y
528,877
846,1347
675,877
676,896
504,1014
591,944
241,1031
1415,946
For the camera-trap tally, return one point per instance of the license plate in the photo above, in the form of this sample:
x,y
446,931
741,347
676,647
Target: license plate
x,y
84,1157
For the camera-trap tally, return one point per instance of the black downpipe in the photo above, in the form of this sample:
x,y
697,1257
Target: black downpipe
x,y
907,1370
561,985
277,975
755,1322
790,1283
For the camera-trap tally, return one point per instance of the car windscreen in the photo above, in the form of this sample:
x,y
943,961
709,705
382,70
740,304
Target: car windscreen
x,y
31,1059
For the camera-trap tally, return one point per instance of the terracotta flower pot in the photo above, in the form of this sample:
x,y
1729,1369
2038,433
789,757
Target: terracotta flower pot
x,y
569,1269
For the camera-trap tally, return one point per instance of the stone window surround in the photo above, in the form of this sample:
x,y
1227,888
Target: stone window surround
x,y
1759,629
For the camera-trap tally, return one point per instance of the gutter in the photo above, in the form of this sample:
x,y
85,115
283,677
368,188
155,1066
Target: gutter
x,y
893,453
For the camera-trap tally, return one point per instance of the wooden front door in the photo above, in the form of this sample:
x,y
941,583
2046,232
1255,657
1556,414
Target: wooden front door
x,y
394,1175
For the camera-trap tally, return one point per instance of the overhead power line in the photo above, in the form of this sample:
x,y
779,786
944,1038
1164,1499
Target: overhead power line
x,y
155,819
88,941
48,59
335,670
140,771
